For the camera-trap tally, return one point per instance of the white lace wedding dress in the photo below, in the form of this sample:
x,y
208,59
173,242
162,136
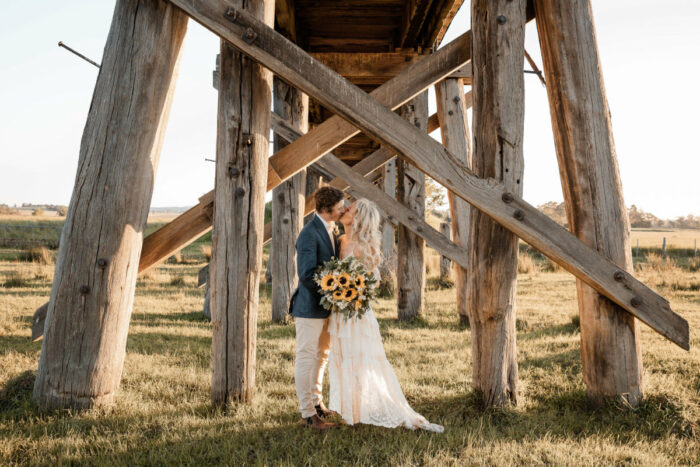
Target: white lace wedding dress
x,y
363,385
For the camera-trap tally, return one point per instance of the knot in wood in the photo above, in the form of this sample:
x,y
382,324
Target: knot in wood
x,y
84,290
240,192
233,171
501,19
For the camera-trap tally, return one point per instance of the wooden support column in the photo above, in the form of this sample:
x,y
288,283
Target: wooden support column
x,y
498,116
388,233
243,129
610,349
410,191
314,179
445,263
287,204
454,127
93,291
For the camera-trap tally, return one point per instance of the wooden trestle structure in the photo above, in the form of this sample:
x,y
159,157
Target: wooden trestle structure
x,y
340,71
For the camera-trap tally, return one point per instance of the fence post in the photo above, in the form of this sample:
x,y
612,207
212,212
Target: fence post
x,y
663,249
695,248
637,252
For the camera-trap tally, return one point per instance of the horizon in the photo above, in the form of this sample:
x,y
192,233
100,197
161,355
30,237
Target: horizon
x,y
43,116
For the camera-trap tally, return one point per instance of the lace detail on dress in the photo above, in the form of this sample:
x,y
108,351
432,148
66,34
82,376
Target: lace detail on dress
x,y
363,385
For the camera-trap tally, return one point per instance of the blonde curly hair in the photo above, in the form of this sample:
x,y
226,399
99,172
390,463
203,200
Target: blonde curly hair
x,y
365,232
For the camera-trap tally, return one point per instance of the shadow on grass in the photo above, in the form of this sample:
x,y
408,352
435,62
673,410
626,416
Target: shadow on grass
x,y
18,344
156,319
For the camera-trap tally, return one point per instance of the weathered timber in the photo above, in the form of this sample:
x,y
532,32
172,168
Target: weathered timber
x,y
87,319
285,14
445,263
454,127
245,90
410,191
287,204
314,180
368,68
489,196
388,232
610,342
498,119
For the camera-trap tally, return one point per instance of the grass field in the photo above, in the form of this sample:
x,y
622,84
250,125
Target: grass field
x,y
163,415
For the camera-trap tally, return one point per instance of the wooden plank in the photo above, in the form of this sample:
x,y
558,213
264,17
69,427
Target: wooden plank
x,y
454,128
368,68
380,122
611,356
87,319
388,232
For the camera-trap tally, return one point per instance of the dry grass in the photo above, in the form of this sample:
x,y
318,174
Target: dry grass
x,y
162,414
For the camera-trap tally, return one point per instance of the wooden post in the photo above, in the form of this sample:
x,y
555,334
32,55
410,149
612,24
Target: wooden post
x,y
454,127
637,252
498,116
410,191
245,90
388,233
287,204
695,247
663,249
610,349
445,263
93,291
206,309
313,181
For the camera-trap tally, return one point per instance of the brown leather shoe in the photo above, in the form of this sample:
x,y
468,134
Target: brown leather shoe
x,y
323,412
317,424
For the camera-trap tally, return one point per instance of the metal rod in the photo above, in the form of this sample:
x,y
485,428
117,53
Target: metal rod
x,y
535,69
61,44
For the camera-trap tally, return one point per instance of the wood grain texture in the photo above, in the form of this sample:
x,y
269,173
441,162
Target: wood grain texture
x,y
368,68
498,119
454,128
410,191
242,148
611,357
445,263
388,232
288,201
87,320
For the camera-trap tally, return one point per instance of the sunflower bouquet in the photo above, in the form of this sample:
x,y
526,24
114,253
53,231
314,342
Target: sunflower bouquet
x,y
346,286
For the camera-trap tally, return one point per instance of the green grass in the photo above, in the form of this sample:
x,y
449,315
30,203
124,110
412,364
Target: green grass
x,y
162,414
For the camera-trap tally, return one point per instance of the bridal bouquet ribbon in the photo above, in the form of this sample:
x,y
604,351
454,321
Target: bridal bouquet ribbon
x,y
346,286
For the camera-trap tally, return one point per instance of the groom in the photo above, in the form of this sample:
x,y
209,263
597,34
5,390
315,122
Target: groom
x,y
316,244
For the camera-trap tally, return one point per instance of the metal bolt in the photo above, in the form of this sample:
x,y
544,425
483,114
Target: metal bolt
x,y
84,290
419,229
501,19
280,196
455,99
418,124
636,302
285,221
249,36
519,215
239,192
102,263
410,218
449,112
233,171
231,14
507,197
619,276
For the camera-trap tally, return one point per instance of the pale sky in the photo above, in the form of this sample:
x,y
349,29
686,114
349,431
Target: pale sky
x,y
651,66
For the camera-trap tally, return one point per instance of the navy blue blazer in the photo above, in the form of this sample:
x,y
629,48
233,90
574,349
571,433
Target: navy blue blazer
x,y
313,249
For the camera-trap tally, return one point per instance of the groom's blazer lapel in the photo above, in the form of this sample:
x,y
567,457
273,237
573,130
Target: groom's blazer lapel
x,y
321,229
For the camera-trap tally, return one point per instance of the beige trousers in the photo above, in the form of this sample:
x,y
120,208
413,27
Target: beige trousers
x,y
313,344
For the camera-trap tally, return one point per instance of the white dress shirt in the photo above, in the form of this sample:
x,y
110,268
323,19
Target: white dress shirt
x,y
329,228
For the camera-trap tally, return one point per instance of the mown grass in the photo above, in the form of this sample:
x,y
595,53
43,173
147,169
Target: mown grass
x,y
162,414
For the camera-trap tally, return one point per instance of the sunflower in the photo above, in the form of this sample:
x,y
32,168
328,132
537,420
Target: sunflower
x,y
349,294
328,282
344,279
360,281
358,305
338,294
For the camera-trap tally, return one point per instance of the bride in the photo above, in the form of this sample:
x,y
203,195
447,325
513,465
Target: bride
x,y
363,385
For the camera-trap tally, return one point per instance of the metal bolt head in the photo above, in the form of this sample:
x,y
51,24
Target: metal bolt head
x,y
619,276
519,214
636,302
84,290
240,192
419,228
507,197
449,112
102,263
501,19
455,99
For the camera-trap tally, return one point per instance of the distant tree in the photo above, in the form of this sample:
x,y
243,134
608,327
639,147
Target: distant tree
x,y
435,195
5,209
62,210
38,212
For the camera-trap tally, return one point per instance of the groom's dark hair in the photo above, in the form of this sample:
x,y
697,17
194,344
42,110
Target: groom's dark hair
x,y
326,197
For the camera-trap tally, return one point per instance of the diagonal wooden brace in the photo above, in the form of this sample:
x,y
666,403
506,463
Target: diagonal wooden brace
x,y
302,71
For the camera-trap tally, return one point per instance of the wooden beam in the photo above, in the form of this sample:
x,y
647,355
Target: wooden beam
x,y
87,322
285,17
381,123
611,356
368,68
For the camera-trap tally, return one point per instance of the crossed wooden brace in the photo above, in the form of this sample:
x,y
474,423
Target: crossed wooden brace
x,y
373,115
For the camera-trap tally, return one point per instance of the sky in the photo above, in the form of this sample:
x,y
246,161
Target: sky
x,y
650,59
